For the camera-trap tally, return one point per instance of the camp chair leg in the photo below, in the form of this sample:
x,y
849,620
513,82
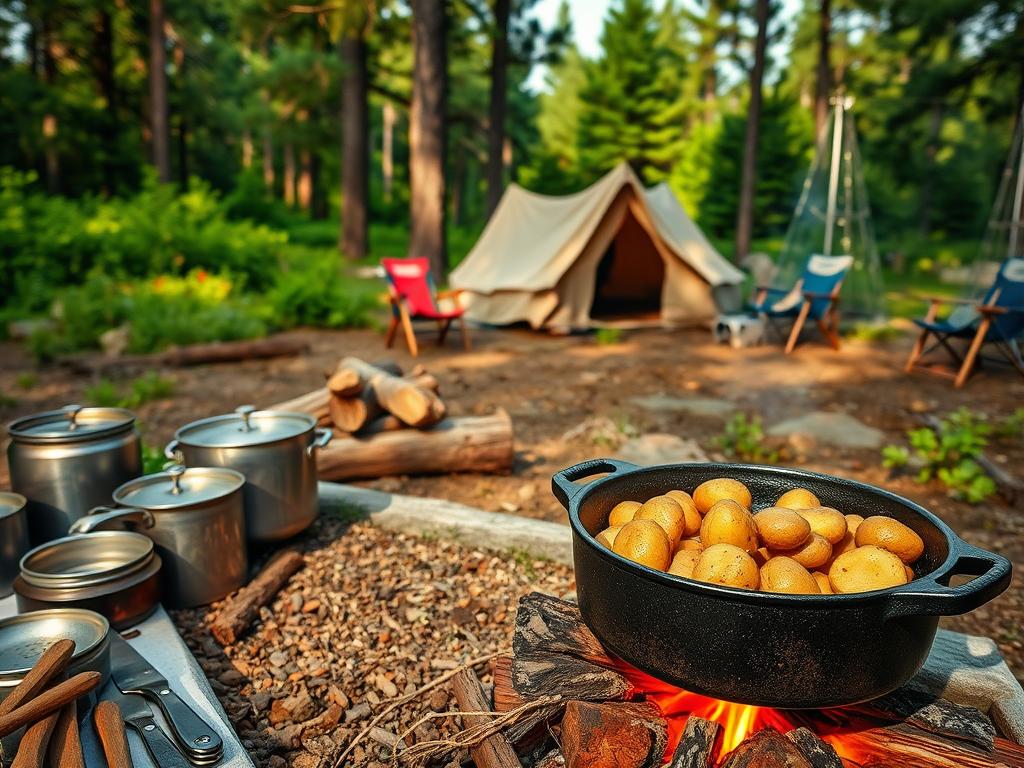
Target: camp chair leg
x,y
798,326
410,336
972,353
917,351
392,329
1011,351
465,333
443,326
826,328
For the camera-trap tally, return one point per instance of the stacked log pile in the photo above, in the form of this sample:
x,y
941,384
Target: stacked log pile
x,y
387,422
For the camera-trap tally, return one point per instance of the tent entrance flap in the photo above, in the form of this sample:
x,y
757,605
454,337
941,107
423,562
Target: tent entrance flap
x,y
630,275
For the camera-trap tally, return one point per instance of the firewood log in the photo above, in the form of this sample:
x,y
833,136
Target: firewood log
x,y
350,377
494,751
612,735
240,610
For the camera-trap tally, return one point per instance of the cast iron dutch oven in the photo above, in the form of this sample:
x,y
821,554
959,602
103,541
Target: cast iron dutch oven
x,y
790,651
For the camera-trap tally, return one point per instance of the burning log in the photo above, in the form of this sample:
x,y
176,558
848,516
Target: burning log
x,y
240,611
909,747
935,715
612,735
494,751
766,749
697,744
820,754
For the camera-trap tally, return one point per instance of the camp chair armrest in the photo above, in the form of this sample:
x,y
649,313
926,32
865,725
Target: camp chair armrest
x,y
991,309
944,299
814,295
451,293
770,289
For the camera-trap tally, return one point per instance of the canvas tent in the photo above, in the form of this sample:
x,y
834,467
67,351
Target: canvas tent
x,y
614,248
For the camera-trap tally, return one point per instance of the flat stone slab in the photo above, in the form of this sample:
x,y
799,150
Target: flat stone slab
x,y
832,428
660,448
699,406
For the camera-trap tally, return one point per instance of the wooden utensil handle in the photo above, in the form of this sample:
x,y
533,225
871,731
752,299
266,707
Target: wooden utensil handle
x,y
53,661
110,727
65,744
32,749
49,701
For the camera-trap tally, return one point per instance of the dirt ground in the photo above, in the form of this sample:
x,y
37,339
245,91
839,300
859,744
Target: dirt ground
x,y
552,385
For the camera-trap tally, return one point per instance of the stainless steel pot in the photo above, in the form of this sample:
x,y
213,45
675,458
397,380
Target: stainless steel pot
x,y
13,538
275,450
195,518
66,462
115,573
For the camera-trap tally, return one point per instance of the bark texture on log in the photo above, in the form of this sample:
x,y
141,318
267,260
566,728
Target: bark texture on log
x,y
494,751
612,735
240,611
352,375
766,749
467,444
314,403
819,754
696,745
196,354
909,747
933,714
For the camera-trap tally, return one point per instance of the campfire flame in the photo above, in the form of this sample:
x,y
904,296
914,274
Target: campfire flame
x,y
737,722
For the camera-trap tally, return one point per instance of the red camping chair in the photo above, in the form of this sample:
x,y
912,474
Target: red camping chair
x,y
413,297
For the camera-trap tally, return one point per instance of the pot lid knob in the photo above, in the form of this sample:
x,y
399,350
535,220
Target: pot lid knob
x,y
245,411
71,412
175,470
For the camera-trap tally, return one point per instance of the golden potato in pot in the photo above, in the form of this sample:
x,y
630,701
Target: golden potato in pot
x,y
781,528
644,542
690,511
729,523
786,575
727,564
683,563
607,536
709,493
892,535
623,512
865,569
813,554
798,498
666,512
826,522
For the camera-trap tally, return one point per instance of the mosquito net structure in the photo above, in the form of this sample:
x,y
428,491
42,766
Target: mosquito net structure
x,y
833,218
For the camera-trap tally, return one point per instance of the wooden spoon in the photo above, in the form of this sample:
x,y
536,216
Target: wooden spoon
x,y
53,661
49,701
110,727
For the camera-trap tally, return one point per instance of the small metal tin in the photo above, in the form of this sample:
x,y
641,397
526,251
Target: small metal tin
x,y
24,638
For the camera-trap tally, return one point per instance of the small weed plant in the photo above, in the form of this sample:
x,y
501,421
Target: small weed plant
x,y
146,388
744,439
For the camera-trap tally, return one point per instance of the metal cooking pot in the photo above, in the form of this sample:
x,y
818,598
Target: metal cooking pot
x,y
66,462
114,573
275,450
195,518
13,538
795,651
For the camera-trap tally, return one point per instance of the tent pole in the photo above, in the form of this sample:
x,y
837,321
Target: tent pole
x,y
833,176
1018,194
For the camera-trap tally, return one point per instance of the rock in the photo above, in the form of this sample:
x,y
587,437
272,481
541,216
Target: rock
x,y
358,712
294,708
279,658
311,606
439,700
660,448
385,686
276,761
462,616
325,722
699,406
831,428
231,677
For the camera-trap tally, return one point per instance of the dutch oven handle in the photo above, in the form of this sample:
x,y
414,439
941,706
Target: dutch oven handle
x,y
932,595
321,437
99,518
564,485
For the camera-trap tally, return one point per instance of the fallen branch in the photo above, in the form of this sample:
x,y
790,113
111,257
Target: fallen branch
x,y
195,354
240,611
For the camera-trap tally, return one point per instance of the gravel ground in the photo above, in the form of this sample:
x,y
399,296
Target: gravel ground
x,y
373,615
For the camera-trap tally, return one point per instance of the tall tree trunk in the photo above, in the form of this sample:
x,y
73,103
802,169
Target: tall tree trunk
x,y
103,66
179,69
355,148
387,148
318,206
247,149
458,186
52,158
289,174
823,85
158,91
304,190
745,215
268,160
931,154
496,113
427,135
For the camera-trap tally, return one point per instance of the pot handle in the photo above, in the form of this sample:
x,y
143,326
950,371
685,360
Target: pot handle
x,y
100,518
932,595
321,437
173,452
563,483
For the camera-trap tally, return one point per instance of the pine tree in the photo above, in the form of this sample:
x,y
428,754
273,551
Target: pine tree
x,y
631,100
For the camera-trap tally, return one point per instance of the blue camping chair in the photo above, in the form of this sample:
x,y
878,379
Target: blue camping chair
x,y
815,295
998,319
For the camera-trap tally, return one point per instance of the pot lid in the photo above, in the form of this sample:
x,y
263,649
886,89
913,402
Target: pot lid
x,y
11,503
179,487
71,424
85,559
246,426
25,637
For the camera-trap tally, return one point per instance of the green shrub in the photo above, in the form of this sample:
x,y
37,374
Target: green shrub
x,y
150,386
317,294
607,336
948,453
744,439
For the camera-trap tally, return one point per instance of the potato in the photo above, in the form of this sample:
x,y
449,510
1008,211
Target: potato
x,y
623,512
865,569
798,498
667,513
690,511
910,573
729,523
727,564
826,522
852,523
761,556
814,553
786,575
644,542
607,536
709,493
683,563
891,535
693,545
823,583
781,528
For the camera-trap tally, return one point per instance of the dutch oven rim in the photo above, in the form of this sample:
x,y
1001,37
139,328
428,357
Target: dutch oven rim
x,y
925,595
